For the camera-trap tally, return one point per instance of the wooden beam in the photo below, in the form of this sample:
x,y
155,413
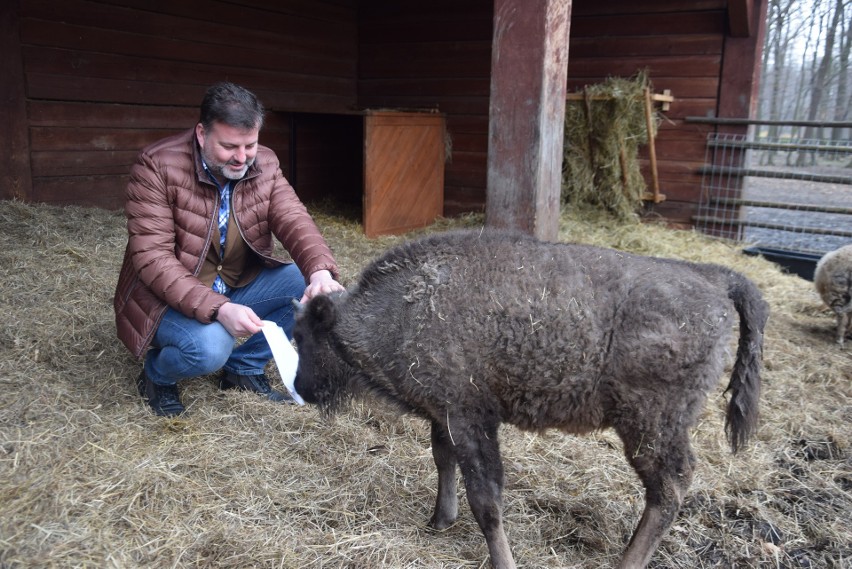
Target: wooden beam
x,y
741,64
740,18
655,196
526,116
15,174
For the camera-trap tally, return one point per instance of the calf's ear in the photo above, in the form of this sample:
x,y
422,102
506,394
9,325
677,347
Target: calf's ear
x,y
322,312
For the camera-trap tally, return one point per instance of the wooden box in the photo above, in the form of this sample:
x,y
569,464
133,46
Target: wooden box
x,y
403,171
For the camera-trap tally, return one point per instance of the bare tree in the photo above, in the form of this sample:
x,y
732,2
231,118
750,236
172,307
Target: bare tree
x,y
806,60
841,108
822,76
781,31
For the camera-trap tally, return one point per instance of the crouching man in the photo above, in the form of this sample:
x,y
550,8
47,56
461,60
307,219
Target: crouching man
x,y
202,209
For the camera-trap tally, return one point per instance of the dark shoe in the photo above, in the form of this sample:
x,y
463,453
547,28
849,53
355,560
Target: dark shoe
x,y
163,399
257,383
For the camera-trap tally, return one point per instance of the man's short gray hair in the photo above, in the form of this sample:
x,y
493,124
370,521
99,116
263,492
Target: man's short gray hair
x,y
232,105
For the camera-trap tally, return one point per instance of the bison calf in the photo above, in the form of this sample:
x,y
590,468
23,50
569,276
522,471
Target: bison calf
x,y
473,329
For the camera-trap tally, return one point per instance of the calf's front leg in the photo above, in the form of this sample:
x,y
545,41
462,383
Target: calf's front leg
x,y
447,502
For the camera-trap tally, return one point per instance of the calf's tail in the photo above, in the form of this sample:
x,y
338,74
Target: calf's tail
x,y
744,387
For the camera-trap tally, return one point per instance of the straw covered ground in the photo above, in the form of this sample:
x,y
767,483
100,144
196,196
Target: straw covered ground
x,y
90,478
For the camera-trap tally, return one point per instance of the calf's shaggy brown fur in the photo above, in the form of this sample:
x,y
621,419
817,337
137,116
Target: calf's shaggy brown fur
x,y
473,329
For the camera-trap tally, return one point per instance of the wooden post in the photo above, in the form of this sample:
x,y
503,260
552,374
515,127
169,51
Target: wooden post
x,y
652,147
740,76
741,64
15,174
526,118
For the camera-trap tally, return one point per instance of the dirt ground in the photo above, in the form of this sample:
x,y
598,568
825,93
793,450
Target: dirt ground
x,y
89,477
797,220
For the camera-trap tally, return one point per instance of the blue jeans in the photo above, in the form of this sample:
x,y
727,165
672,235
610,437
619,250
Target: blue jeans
x,y
184,347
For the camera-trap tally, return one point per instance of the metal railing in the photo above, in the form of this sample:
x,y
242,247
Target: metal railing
x,y
803,206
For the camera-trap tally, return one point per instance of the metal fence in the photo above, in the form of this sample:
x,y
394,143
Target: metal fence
x,y
778,192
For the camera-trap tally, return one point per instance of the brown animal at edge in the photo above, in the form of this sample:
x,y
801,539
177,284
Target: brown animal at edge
x,y
833,282
472,329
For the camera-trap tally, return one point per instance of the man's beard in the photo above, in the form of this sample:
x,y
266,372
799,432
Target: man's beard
x,y
219,169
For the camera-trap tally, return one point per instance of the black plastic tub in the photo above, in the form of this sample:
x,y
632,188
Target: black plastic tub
x,y
793,262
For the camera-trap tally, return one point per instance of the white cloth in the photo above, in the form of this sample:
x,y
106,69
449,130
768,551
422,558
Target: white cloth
x,y
285,356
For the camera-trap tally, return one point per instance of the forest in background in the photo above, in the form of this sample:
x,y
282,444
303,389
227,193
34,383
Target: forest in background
x,y
805,72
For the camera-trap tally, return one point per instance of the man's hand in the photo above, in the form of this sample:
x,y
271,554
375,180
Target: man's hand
x,y
239,320
321,282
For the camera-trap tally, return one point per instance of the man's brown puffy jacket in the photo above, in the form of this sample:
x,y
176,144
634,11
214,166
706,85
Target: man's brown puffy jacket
x,y
171,208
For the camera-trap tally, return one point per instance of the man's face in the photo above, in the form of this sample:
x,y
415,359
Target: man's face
x,y
228,151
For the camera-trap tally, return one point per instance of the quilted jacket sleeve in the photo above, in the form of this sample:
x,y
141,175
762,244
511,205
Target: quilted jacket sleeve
x,y
169,231
295,228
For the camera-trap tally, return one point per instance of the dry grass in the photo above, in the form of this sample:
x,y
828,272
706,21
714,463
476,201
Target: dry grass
x,y
90,478
603,134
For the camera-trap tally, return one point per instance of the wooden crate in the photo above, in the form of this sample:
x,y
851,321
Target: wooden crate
x,y
403,171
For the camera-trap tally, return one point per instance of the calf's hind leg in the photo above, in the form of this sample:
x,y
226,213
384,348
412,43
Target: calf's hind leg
x,y
665,465
478,455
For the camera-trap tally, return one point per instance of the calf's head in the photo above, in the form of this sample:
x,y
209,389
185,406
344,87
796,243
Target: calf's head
x,y
322,376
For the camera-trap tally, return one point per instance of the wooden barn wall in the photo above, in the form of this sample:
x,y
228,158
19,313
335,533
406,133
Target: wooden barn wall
x,y
681,45
438,54
101,79
97,80
434,55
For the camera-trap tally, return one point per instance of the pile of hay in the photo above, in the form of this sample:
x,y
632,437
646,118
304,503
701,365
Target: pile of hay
x,y
603,133
89,477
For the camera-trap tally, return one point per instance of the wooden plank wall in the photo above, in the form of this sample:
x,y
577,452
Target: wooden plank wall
x,y
437,55
681,45
15,172
434,55
103,79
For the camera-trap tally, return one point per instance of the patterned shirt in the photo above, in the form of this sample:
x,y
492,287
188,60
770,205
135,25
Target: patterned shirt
x,y
224,212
